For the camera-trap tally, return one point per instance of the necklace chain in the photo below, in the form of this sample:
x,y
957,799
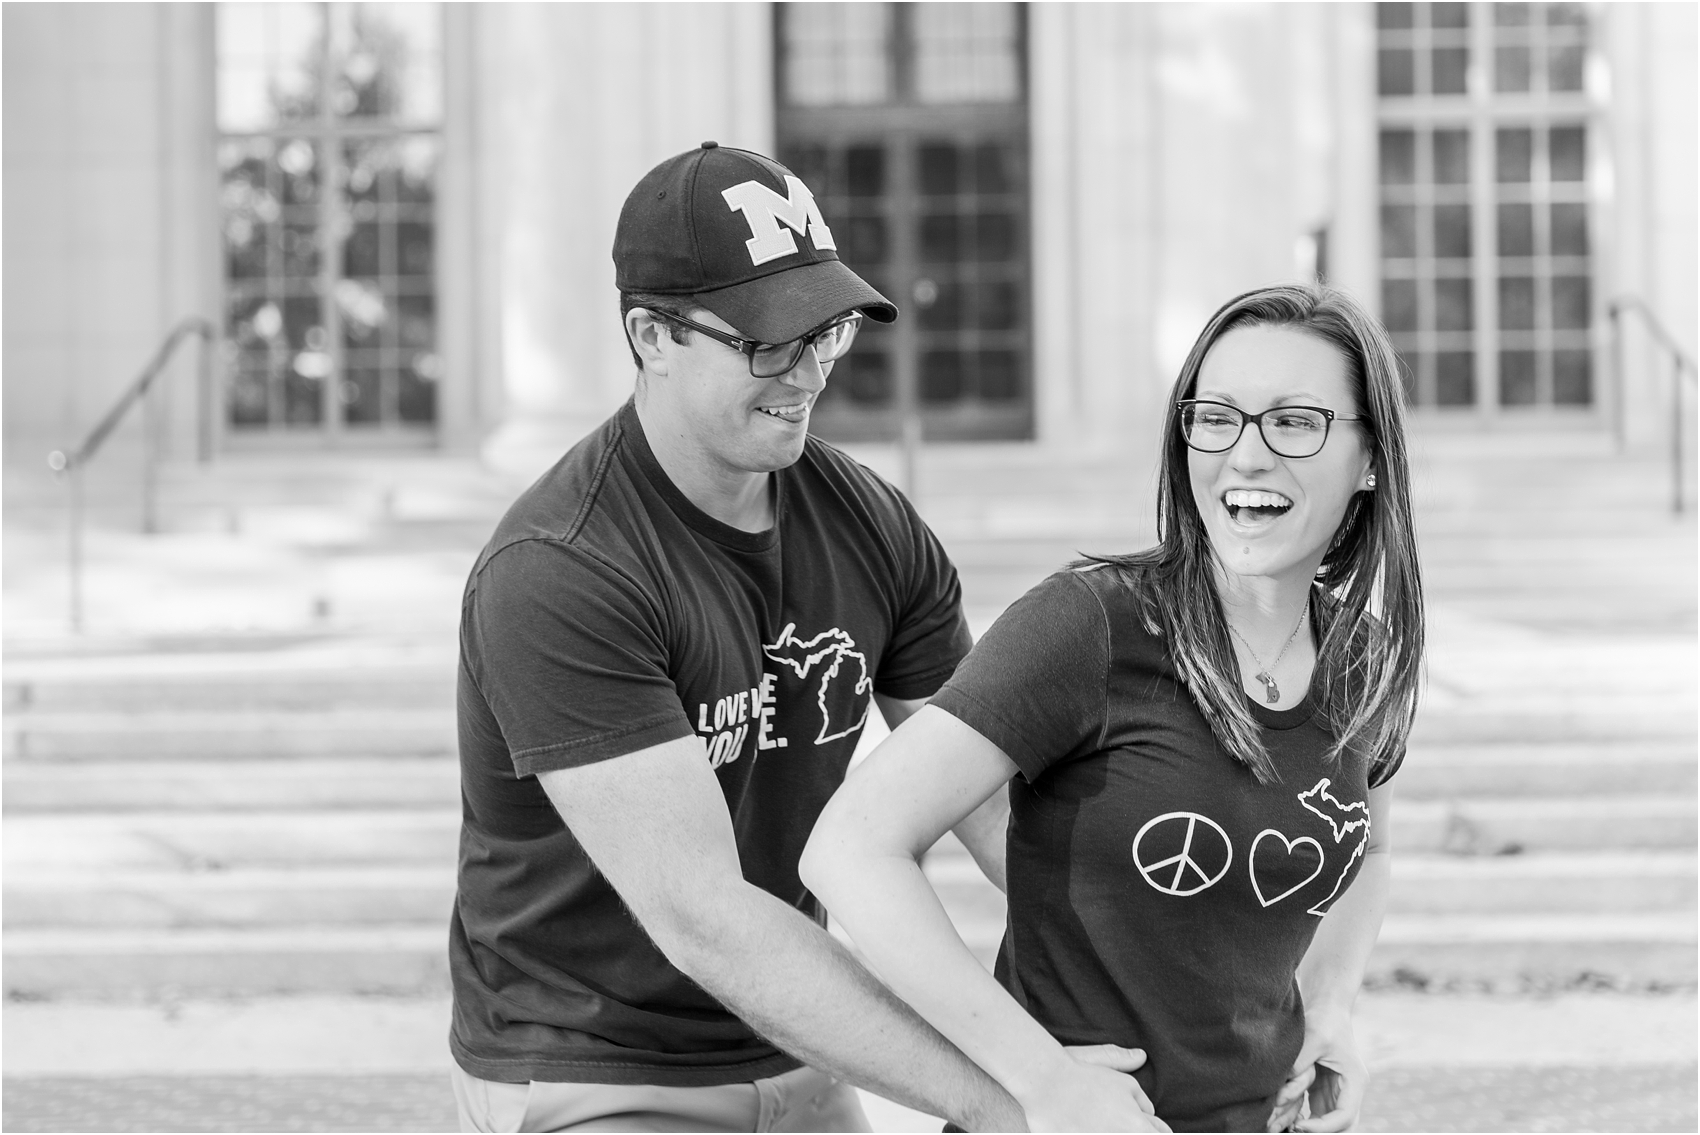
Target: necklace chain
x,y
1271,691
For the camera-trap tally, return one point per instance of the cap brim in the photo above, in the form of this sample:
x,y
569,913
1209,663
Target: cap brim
x,y
788,304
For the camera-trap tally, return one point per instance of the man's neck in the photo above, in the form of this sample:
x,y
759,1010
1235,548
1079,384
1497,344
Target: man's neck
x,y
734,497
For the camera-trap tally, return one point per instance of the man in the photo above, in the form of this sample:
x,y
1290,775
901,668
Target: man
x,y
668,650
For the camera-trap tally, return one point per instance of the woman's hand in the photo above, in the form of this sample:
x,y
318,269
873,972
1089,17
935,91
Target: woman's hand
x,y
1329,1069
1093,1092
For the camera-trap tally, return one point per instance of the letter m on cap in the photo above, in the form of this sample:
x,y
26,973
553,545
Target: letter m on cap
x,y
764,209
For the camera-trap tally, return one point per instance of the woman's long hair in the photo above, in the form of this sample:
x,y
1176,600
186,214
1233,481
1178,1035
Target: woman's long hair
x,y
1369,596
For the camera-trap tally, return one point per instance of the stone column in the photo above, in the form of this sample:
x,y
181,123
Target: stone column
x,y
582,100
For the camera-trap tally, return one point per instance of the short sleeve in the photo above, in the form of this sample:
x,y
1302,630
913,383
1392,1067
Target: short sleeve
x,y
569,656
1035,684
931,635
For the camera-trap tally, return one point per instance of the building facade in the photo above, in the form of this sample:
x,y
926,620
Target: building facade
x,y
400,216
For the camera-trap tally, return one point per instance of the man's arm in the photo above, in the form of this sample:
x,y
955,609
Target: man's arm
x,y
983,831
655,824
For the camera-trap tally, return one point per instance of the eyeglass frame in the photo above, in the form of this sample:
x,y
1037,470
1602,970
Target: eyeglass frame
x,y
749,347
1329,417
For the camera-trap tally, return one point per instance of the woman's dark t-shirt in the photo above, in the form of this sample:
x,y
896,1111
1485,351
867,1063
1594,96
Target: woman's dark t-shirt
x,y
1159,897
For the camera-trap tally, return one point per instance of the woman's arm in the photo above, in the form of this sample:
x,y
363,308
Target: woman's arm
x,y
1330,974
862,862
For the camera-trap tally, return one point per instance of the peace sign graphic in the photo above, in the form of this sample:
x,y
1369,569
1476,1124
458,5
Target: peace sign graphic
x,y
1194,845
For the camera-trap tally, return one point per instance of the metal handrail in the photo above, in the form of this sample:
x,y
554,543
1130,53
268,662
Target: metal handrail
x,y
70,465
1681,364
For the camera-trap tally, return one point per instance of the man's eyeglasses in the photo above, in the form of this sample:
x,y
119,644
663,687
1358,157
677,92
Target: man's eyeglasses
x,y
1289,431
770,360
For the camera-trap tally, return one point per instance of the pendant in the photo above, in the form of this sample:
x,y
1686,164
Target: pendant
x,y
1271,690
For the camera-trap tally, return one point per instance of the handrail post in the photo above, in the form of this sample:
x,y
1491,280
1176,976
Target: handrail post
x,y
150,461
76,475
1676,433
204,395
1614,311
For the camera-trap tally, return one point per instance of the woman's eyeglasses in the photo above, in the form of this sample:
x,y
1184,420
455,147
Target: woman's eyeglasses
x,y
1289,431
770,360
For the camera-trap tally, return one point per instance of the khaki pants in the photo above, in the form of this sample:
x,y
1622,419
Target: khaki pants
x,y
804,1100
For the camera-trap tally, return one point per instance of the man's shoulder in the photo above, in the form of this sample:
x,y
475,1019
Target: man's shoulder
x,y
558,507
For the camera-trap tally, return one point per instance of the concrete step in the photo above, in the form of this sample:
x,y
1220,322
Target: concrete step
x,y
1547,950
222,684
215,784
1512,769
1500,826
260,733
1436,772
245,898
200,841
151,964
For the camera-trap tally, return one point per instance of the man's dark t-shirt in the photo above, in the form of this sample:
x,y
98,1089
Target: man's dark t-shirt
x,y
1159,897
607,615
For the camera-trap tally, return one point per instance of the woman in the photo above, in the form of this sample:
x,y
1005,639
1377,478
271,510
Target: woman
x,y
1197,742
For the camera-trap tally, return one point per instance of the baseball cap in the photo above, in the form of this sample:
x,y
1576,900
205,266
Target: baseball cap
x,y
742,236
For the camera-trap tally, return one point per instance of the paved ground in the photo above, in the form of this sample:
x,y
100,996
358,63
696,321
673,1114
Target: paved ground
x,y
1638,1098
1572,1062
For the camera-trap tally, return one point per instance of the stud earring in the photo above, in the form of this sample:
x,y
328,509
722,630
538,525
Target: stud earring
x,y
1369,482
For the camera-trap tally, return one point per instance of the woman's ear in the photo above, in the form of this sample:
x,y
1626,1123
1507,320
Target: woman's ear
x,y
647,334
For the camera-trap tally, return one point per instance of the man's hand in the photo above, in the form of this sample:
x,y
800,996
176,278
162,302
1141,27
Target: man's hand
x,y
1096,1093
1329,1069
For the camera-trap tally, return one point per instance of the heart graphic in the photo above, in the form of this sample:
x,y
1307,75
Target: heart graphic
x,y
1288,845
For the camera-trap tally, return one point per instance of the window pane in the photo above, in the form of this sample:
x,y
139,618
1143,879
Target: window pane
x,y
1398,231
1398,157
945,312
941,376
1393,15
1449,15
1517,378
1511,68
1395,71
995,306
1567,16
999,376
1452,230
1570,230
1450,65
391,61
836,54
1451,157
1516,230
938,169
1455,378
1564,67
1517,304
993,168
268,71
966,52
1567,153
1570,302
1514,150
864,168
1511,15
862,240
938,238
868,380
994,237
1572,378
1452,310
1399,304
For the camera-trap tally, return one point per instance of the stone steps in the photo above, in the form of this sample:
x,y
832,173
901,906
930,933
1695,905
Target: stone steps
x,y
257,897
218,781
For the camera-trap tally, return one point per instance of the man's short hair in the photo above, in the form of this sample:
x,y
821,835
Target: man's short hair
x,y
652,301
